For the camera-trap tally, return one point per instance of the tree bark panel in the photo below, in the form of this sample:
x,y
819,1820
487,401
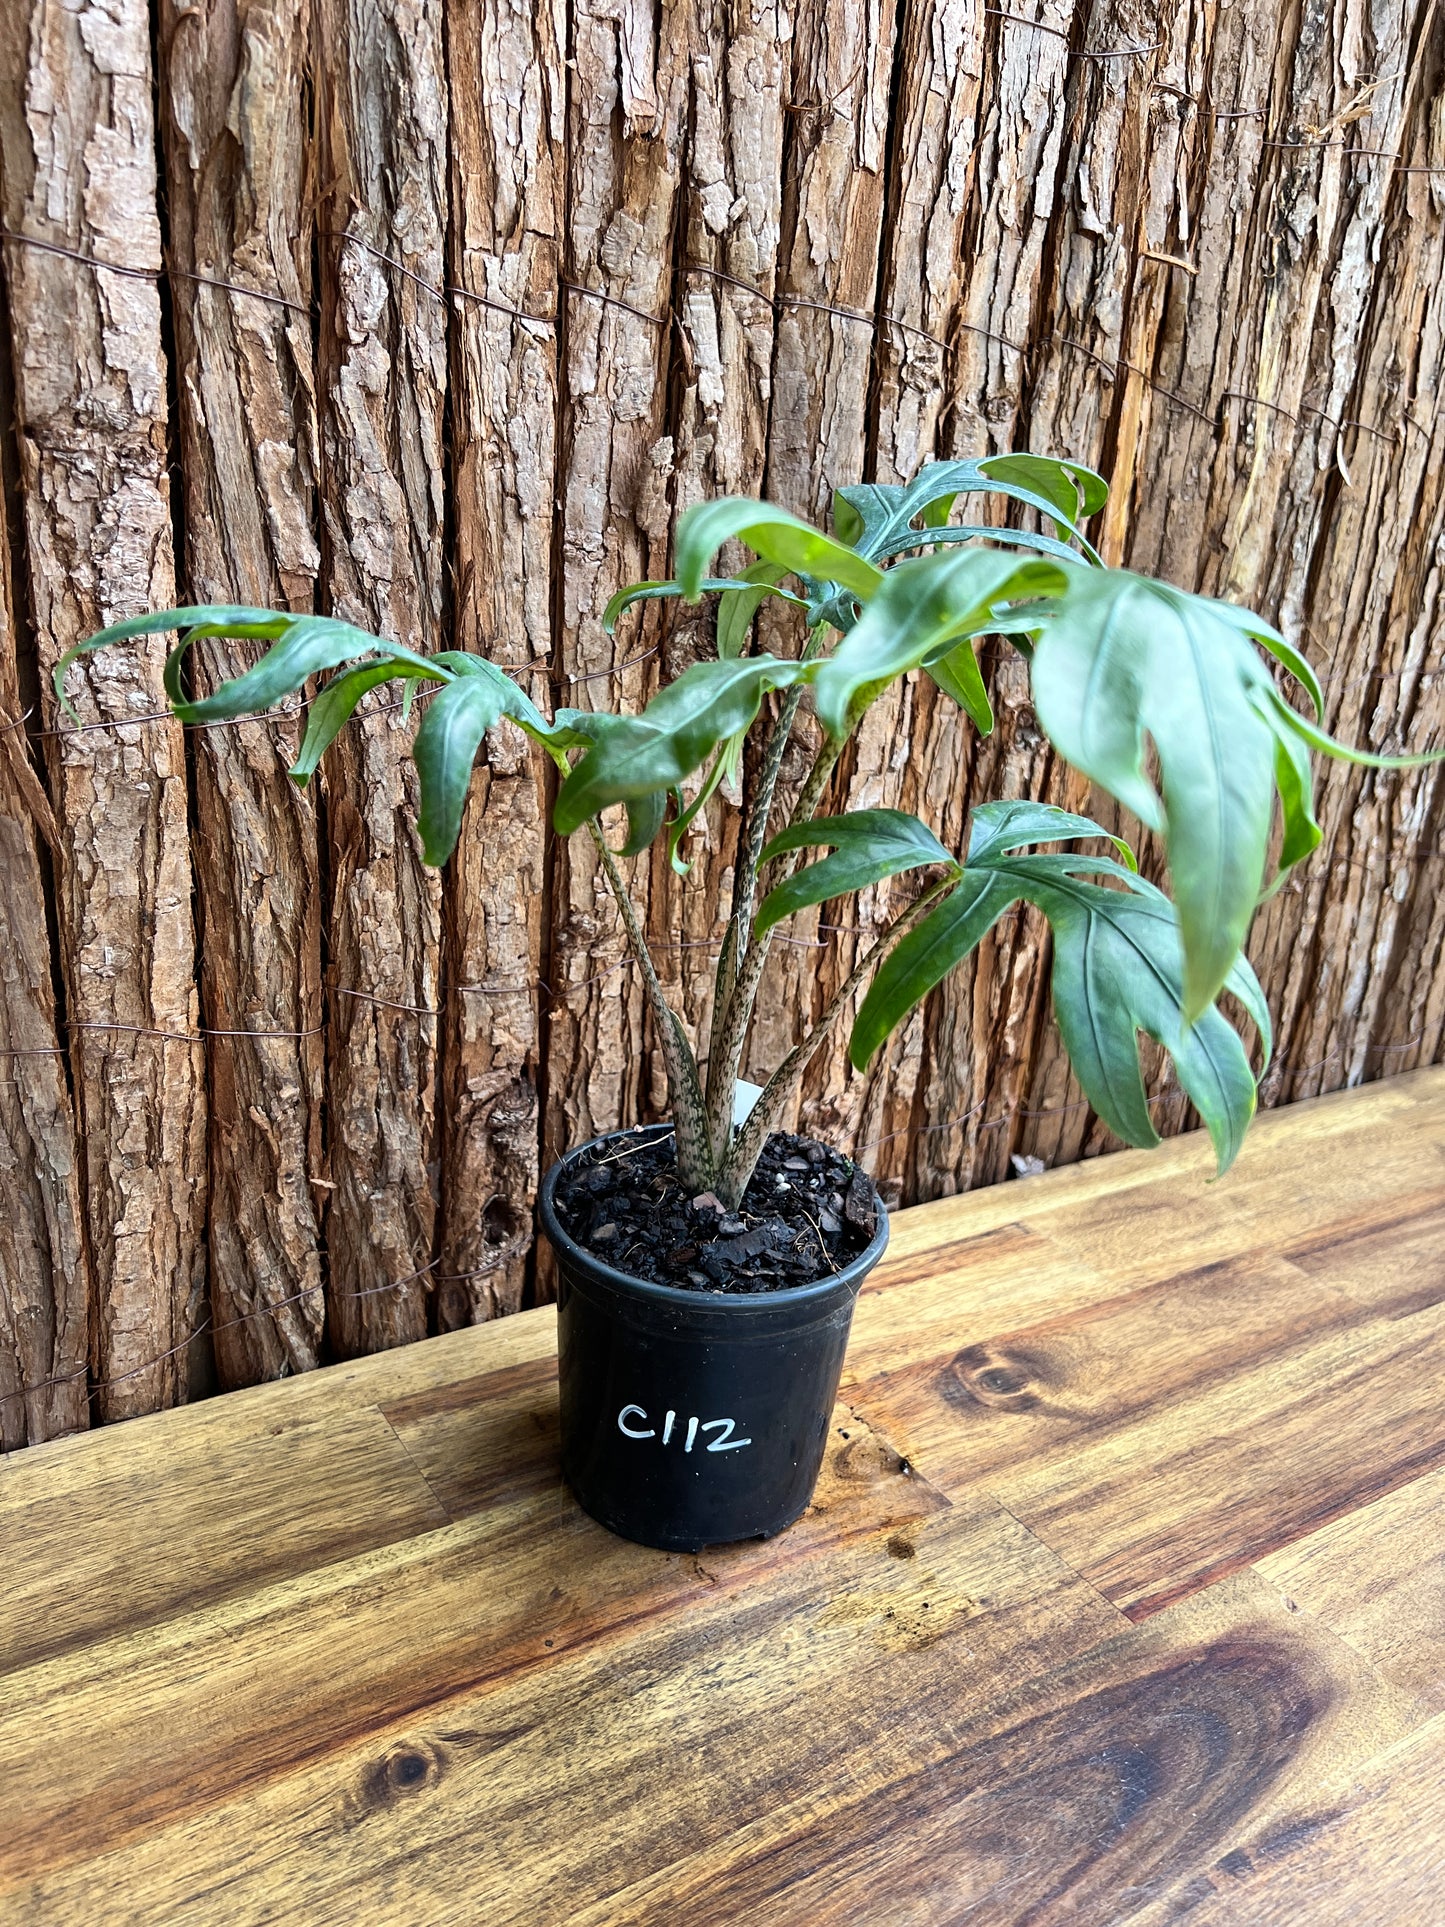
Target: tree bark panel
x,y
90,404
383,156
235,140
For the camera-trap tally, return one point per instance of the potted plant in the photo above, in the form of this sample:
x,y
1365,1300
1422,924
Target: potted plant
x,y
709,1265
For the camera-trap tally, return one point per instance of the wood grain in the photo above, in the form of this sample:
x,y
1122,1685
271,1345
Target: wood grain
x,y
1376,1577
344,1649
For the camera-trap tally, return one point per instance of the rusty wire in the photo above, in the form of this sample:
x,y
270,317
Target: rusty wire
x,y
445,293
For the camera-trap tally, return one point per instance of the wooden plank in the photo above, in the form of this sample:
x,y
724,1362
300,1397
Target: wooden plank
x,y
1161,1434
496,1735
1075,1797
411,1678
1376,1577
213,1517
77,163
1035,1755
256,1412
1218,1477
962,1271
235,140
1374,1850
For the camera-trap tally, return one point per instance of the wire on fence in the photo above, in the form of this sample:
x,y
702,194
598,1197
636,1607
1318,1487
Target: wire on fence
x,y
446,292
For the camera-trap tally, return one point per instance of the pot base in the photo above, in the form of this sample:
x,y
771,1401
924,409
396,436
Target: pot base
x,y
658,1542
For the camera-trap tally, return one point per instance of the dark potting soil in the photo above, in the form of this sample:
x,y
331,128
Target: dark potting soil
x,y
806,1213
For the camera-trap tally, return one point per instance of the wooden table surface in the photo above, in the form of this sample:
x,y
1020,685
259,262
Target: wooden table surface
x,y
1123,1600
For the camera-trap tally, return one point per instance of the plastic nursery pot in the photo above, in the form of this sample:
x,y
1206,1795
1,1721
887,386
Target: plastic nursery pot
x,y
691,1418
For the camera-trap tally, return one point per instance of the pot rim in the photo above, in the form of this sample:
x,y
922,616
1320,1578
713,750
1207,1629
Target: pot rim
x,y
853,1273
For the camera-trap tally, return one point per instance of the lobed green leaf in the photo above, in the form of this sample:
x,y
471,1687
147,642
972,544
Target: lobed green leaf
x,y
655,591
632,756
884,515
1124,661
445,751
1118,969
217,619
334,707
307,646
925,607
869,846
773,534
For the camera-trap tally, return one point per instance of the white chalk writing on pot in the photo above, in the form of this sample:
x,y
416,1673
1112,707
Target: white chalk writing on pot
x,y
632,1422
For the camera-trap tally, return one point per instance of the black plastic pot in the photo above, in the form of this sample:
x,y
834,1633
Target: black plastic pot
x,y
691,1418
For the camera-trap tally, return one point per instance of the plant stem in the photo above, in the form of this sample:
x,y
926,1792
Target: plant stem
x,y
730,1026
740,1161
758,809
694,1150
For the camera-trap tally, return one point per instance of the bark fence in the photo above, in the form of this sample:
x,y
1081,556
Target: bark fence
x,y
436,314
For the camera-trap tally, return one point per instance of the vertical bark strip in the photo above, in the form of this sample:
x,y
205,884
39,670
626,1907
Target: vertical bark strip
x,y
382,157
627,106
78,145
235,142
44,1263
730,229
508,106
940,72
833,196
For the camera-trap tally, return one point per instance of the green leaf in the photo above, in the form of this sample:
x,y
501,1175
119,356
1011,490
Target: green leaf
x,y
737,607
218,619
1122,659
927,538
308,645
997,828
869,846
1070,488
633,756
774,535
645,817
445,750
334,707
1288,721
1258,630
724,764
512,699
1118,969
958,675
925,607
888,513
654,591
1294,779
926,955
